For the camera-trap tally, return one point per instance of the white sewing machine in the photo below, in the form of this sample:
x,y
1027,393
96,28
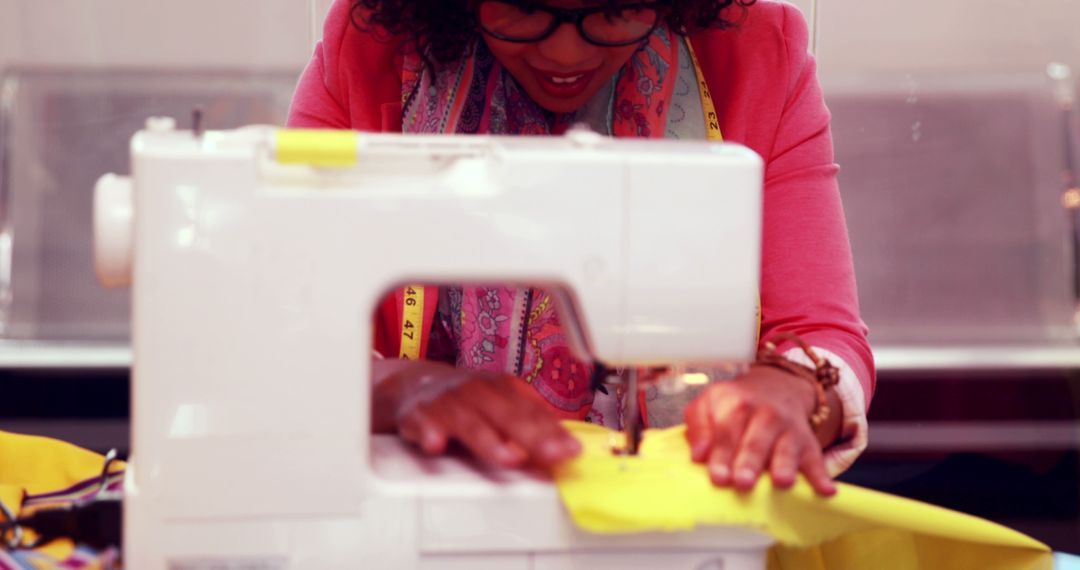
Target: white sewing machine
x,y
257,257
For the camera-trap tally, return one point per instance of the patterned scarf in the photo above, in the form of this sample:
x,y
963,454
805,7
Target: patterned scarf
x,y
516,330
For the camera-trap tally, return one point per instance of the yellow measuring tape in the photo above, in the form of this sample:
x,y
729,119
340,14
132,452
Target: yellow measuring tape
x,y
412,322
712,120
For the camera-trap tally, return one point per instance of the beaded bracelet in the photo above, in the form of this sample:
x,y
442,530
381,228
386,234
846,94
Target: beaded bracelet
x,y
823,376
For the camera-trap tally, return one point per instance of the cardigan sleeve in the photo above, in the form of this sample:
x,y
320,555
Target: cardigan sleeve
x,y
808,279
317,102
353,81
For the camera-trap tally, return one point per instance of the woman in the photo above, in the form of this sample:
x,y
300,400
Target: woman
x,y
670,68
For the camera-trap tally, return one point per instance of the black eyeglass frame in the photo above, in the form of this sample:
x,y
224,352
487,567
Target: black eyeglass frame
x,y
576,17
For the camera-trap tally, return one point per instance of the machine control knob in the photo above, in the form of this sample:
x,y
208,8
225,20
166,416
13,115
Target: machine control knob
x,y
114,219
583,137
161,124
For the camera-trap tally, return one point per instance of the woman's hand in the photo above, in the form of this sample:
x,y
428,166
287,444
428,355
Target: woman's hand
x,y
760,421
497,417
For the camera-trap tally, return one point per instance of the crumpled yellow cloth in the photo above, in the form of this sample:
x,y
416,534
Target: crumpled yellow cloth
x,y
31,465
663,490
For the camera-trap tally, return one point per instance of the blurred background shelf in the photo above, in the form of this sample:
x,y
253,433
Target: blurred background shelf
x,y
976,358
74,355
40,355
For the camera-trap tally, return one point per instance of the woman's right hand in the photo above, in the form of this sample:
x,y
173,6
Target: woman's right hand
x,y
497,417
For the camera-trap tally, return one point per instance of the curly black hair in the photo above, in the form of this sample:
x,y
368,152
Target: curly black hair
x,y
441,29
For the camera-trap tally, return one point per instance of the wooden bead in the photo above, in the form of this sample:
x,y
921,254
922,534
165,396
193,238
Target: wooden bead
x,y
823,376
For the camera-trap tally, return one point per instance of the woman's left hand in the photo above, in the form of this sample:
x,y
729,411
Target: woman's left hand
x,y
757,422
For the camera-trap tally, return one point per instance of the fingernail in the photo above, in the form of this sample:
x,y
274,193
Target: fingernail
x,y
745,477
571,446
431,442
720,473
699,450
552,449
505,455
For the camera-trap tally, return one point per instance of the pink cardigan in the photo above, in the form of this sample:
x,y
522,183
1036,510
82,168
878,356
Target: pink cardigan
x,y
763,82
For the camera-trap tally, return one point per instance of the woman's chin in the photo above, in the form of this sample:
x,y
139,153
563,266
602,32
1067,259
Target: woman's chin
x,y
562,107
560,104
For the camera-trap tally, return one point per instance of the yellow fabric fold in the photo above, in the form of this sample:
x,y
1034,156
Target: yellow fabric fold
x,y
661,489
42,465
32,465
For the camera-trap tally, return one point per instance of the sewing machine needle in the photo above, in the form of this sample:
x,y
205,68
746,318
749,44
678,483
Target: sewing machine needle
x,y
632,429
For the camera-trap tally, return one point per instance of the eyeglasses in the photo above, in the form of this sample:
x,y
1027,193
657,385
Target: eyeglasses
x,y
529,21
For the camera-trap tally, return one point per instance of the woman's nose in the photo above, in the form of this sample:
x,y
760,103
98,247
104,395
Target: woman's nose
x,y
566,48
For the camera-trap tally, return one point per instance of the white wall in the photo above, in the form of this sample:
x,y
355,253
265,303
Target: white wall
x,y
899,37
855,37
10,34
156,33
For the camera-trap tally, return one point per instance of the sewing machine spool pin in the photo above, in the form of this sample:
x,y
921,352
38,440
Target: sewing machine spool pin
x,y
197,128
103,483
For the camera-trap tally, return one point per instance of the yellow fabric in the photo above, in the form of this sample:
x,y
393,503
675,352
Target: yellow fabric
x,y
42,465
31,465
663,490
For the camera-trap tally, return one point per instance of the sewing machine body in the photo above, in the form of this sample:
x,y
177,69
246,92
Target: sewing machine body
x,y
253,288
